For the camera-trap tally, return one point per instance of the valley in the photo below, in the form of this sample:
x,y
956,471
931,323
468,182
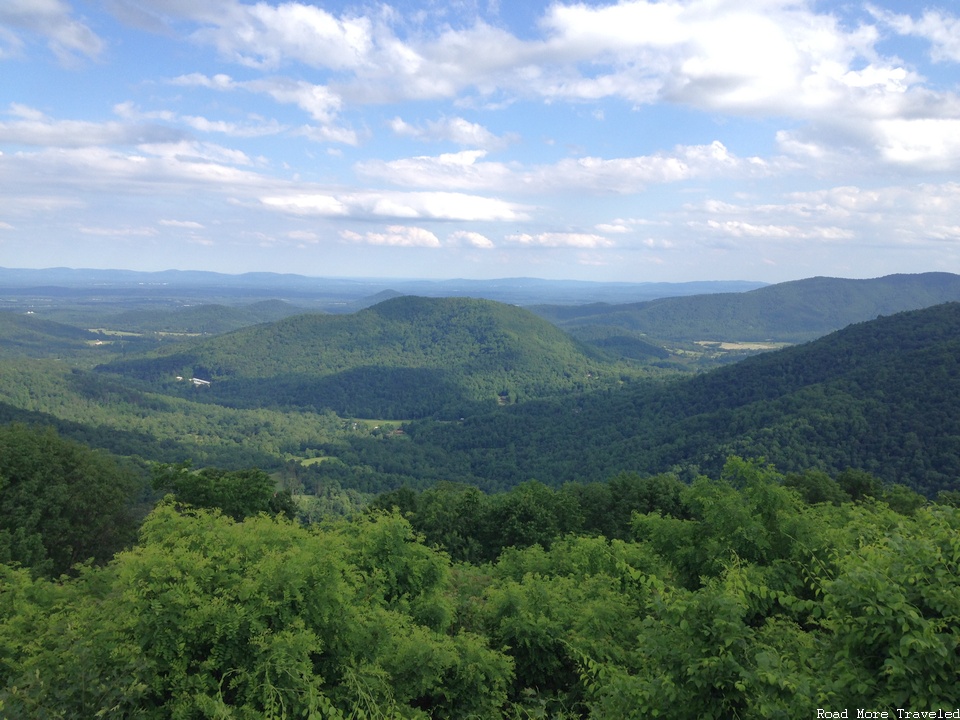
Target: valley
x,y
490,394
562,511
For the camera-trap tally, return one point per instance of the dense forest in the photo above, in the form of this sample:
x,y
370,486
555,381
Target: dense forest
x,y
750,594
402,358
880,396
451,508
795,311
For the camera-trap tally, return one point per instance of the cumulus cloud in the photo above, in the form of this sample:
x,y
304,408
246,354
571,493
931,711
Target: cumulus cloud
x,y
561,240
471,239
256,128
927,143
898,214
395,236
32,127
50,19
455,130
741,229
468,170
119,231
172,167
289,31
776,58
613,228
939,28
318,101
463,170
184,224
412,205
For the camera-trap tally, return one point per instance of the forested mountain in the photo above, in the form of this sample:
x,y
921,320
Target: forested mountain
x,y
205,319
405,357
677,580
27,335
881,396
795,311
730,597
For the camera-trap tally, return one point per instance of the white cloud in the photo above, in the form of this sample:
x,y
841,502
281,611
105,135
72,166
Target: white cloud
x,y
258,128
473,239
303,204
196,153
623,175
119,231
219,81
925,143
412,205
34,128
177,167
184,224
940,29
613,228
318,101
329,133
304,236
741,229
558,240
456,130
267,36
775,58
51,19
468,170
462,170
893,215
395,236
25,203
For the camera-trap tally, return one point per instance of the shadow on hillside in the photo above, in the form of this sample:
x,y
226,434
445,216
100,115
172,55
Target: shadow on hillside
x,y
368,392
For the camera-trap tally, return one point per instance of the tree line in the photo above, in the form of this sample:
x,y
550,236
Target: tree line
x,y
749,593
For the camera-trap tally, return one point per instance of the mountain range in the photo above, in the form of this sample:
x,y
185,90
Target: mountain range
x,y
792,312
402,358
493,394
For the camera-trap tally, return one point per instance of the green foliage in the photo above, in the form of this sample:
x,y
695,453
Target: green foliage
x,y
736,599
124,418
238,493
891,614
206,319
60,502
795,311
692,583
476,527
880,398
31,336
405,357
207,617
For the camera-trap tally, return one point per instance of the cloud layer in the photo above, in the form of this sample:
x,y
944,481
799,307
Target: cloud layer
x,y
593,139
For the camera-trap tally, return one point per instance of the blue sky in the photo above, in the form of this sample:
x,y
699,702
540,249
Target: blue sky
x,y
635,141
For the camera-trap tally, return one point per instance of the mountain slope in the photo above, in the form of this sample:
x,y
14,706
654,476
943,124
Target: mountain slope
x,y
881,396
30,335
210,319
406,357
795,311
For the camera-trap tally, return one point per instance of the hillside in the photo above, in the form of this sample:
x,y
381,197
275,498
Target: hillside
x,y
28,335
205,319
881,396
795,311
405,357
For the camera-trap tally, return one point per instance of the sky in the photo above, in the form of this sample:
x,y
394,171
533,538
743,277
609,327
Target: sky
x,y
669,140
